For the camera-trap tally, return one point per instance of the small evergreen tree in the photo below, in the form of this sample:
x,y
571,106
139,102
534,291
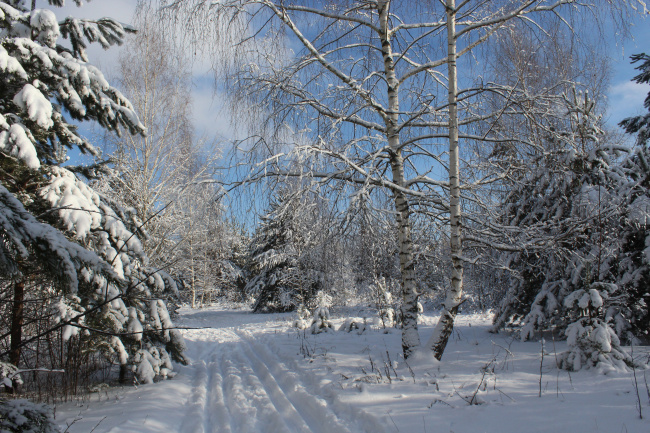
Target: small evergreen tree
x,y
321,322
592,341
556,202
281,279
23,416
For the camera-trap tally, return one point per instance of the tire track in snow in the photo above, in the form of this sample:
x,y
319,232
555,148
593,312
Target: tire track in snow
x,y
284,385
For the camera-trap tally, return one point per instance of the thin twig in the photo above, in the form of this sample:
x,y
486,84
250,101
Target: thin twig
x,y
636,386
97,425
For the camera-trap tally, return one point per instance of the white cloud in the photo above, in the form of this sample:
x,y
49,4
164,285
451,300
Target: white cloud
x,y
210,114
625,100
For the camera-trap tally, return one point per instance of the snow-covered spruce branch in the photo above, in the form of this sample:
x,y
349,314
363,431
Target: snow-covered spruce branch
x,y
144,331
74,320
535,238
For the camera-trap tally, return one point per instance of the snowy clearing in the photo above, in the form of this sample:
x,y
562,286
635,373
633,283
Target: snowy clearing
x,y
255,373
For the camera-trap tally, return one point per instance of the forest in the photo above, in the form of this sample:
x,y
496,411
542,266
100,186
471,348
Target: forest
x,y
441,183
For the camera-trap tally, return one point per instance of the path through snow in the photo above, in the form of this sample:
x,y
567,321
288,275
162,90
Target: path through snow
x,y
254,373
234,384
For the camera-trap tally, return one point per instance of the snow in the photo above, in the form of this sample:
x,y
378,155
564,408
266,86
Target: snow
x,y
82,211
44,23
38,108
257,373
10,65
17,141
76,203
640,210
118,347
135,326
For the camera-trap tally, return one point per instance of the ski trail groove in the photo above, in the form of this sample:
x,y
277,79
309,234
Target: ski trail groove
x,y
218,417
246,388
284,407
238,398
275,414
285,385
206,412
363,420
194,419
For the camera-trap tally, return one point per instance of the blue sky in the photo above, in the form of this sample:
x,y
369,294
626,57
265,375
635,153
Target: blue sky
x,y
625,97
210,119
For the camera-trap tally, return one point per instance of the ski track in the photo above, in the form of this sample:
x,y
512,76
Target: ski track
x,y
245,388
293,374
291,394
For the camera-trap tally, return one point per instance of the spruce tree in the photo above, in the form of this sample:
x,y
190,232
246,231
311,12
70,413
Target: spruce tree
x,y
280,277
590,198
81,247
639,124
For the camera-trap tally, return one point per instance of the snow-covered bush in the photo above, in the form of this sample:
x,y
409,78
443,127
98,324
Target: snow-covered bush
x,y
23,416
593,344
384,301
9,376
592,341
354,324
303,317
151,363
321,322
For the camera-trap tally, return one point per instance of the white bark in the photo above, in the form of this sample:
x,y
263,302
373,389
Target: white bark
x,y
445,326
410,336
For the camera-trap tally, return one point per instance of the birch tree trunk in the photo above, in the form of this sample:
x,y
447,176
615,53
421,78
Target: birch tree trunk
x,y
445,326
193,289
410,336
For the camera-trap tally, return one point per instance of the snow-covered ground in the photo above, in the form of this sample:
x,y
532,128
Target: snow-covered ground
x,y
255,373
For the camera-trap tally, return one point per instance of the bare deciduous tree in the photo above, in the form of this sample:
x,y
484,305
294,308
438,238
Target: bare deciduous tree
x,y
379,94
167,175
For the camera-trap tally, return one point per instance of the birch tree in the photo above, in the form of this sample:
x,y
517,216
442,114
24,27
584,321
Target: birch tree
x,y
167,175
377,94
151,171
